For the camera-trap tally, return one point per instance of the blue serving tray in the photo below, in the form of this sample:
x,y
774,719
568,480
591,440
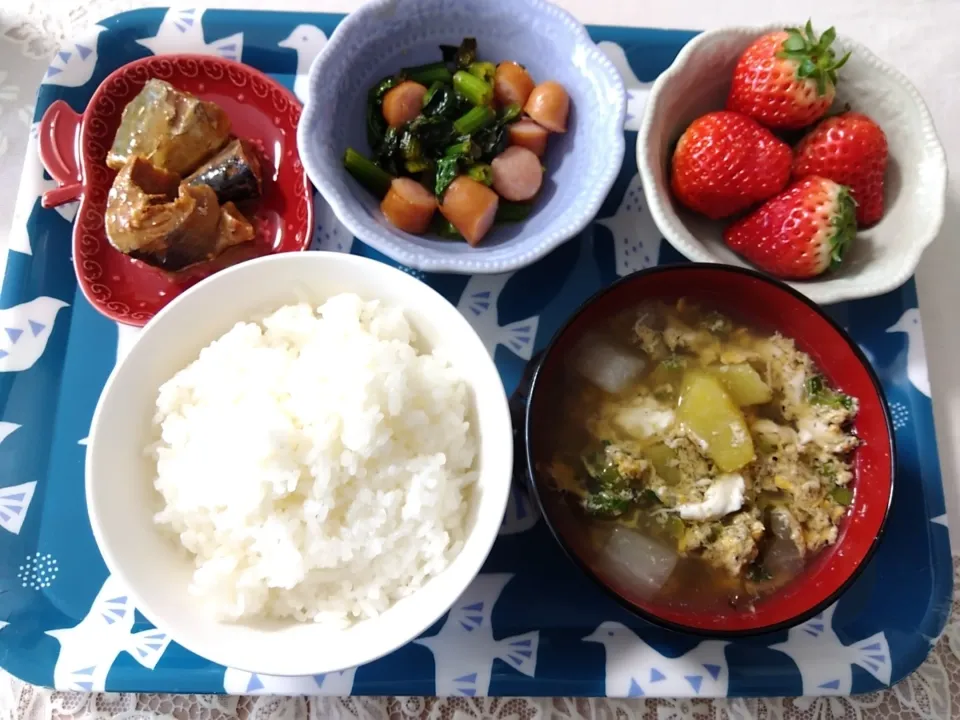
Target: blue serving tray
x,y
531,624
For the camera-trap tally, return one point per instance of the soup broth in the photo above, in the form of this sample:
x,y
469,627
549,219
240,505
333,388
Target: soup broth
x,y
710,461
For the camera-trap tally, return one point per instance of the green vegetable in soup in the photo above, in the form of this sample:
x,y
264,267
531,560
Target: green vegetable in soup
x,y
744,384
664,461
708,412
842,495
820,393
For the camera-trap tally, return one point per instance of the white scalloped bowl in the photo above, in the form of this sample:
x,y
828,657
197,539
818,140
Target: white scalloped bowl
x,y
386,35
885,255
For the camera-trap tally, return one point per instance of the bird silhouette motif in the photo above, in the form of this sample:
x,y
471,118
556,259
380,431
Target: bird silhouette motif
x,y
917,372
307,41
14,503
635,669
3,624
32,187
522,514
637,91
75,61
88,650
181,31
240,682
26,329
464,649
478,304
825,663
636,239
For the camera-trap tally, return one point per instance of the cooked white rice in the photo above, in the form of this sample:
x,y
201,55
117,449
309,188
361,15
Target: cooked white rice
x,y
315,464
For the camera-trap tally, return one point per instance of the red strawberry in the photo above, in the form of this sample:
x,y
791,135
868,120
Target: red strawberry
x,y
800,233
850,149
725,162
786,79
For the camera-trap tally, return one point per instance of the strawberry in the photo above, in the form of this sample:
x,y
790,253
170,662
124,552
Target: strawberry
x,y
725,162
786,79
801,232
850,149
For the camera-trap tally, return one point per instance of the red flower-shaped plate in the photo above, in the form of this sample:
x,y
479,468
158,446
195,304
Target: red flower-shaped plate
x,y
73,148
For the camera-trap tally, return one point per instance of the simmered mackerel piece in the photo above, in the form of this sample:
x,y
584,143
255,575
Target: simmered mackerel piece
x,y
172,130
233,173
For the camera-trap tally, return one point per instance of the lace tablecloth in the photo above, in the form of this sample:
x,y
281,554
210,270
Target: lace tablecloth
x,y
27,41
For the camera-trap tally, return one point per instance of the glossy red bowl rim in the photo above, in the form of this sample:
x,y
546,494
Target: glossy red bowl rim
x,y
573,556
83,118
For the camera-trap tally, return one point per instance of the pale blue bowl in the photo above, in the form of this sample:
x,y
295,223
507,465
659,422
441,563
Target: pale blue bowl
x,y
386,35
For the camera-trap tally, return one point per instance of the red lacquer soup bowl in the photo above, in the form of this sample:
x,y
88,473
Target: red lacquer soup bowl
x,y
765,305
74,147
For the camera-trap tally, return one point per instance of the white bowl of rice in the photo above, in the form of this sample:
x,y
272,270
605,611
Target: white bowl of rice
x,y
301,464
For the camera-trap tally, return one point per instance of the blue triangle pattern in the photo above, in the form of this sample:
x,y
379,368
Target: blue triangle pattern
x,y
318,679
36,327
656,675
64,55
110,620
3,354
714,670
255,683
188,20
14,334
874,646
695,681
521,643
878,658
88,686
85,671
84,51
635,689
14,498
831,685
469,692
51,71
476,607
482,294
471,678
478,619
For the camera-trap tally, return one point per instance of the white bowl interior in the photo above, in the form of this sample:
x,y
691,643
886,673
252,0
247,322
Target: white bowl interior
x,y
119,477
551,49
885,255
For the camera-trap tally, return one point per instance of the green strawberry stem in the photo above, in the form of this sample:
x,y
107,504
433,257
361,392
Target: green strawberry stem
x,y
814,57
844,224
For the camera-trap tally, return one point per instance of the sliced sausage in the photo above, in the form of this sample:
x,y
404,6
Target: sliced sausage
x,y
549,105
526,133
403,103
408,205
517,174
511,84
471,207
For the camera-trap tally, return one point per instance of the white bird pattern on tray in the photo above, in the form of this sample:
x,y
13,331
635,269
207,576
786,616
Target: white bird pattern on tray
x,y
14,503
75,61
635,669
636,239
637,91
478,304
6,429
240,682
88,650
181,31
464,649
810,642
307,41
32,187
26,329
917,371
